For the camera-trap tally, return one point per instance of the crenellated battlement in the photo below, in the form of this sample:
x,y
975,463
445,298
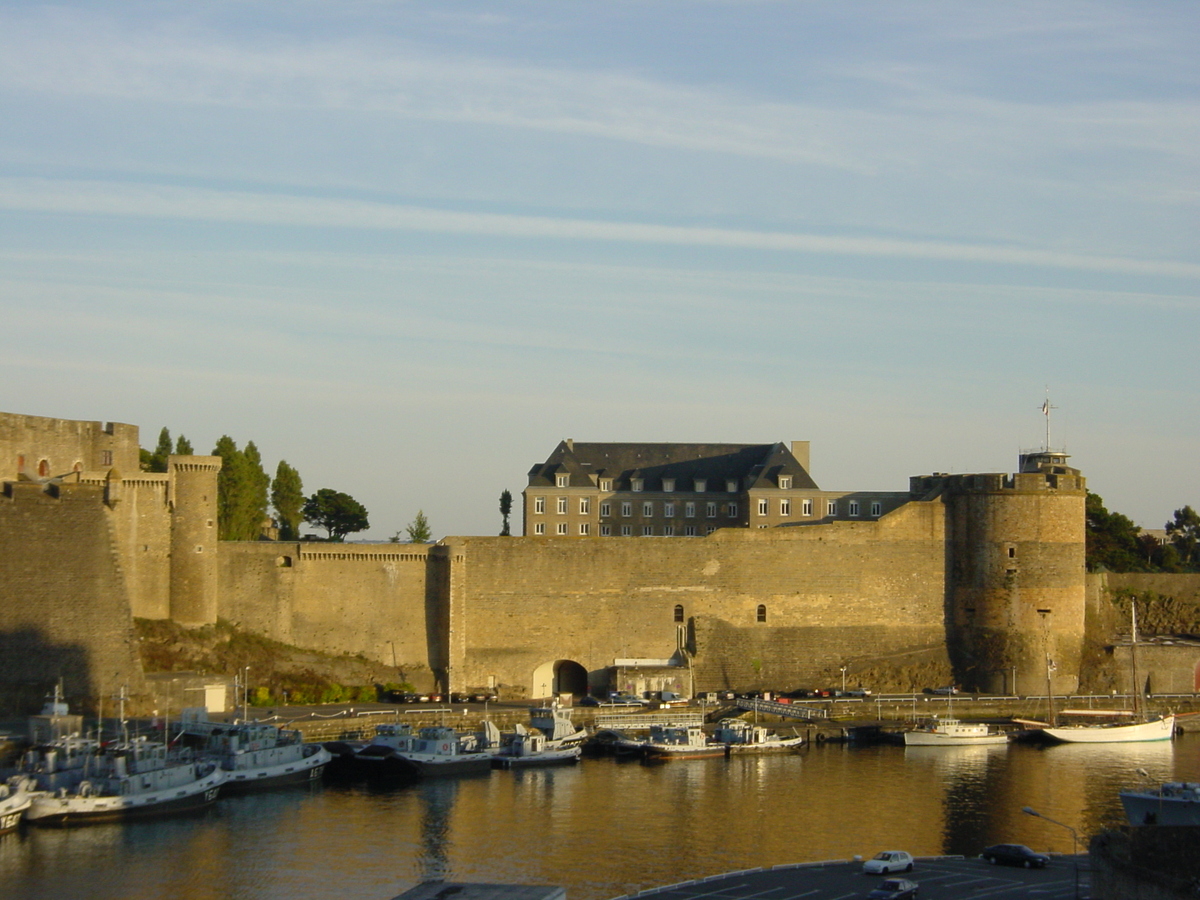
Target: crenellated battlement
x,y
940,484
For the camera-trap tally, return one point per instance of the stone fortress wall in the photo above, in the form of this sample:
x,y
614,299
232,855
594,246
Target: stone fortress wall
x,y
955,576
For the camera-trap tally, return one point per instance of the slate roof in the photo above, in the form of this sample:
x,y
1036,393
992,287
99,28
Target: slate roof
x,y
753,465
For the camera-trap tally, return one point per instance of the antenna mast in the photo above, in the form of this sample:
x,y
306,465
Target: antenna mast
x,y
1046,407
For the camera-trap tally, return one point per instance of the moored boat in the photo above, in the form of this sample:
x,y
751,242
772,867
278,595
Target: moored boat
x,y
1172,803
15,797
527,749
680,742
1160,729
439,750
946,731
256,755
135,779
557,726
739,736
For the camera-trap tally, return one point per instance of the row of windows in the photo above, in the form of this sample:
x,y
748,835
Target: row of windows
x,y
585,528
760,614
699,485
689,508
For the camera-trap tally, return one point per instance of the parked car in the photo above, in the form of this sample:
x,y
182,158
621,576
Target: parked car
x,y
622,698
887,862
589,701
946,691
1014,855
894,889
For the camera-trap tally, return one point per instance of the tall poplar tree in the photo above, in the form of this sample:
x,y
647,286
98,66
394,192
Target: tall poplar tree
x,y
287,496
241,491
505,511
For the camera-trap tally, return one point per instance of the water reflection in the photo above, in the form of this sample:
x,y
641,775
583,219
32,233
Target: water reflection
x,y
601,828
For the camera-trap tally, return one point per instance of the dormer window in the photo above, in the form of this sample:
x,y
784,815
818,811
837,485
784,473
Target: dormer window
x,y
636,484
701,484
785,482
562,480
668,484
731,485
606,484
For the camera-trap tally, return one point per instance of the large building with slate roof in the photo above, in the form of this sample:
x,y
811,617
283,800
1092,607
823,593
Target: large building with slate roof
x,y
683,490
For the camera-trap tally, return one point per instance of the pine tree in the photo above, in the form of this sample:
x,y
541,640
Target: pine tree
x,y
505,510
258,488
241,491
183,447
158,459
418,531
287,496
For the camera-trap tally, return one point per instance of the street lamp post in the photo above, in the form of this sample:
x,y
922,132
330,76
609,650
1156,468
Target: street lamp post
x,y
246,694
844,680
1074,840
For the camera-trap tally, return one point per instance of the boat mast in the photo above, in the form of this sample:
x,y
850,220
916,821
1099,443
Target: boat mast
x,y
1137,691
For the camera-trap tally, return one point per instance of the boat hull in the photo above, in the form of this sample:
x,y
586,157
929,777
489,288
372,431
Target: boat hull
x,y
299,771
562,757
1138,732
1172,804
51,810
927,739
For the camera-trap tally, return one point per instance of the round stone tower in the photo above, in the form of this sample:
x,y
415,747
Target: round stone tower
x,y
1017,576
193,502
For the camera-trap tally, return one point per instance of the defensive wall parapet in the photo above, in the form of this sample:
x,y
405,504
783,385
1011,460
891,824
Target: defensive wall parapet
x,y
36,447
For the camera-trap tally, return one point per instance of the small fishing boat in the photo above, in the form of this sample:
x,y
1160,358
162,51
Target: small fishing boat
x,y
15,797
1172,803
526,749
439,751
133,779
946,731
256,755
557,726
680,742
740,736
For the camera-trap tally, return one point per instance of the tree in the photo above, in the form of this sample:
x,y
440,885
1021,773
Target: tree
x,y
1112,539
418,531
1184,533
505,509
183,447
338,513
241,491
287,496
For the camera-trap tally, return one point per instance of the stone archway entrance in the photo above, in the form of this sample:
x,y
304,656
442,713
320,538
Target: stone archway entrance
x,y
563,676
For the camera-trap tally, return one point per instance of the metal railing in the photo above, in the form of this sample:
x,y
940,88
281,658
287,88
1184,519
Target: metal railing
x,y
788,710
643,720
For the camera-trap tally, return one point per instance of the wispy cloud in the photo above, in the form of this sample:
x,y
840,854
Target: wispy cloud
x,y
149,201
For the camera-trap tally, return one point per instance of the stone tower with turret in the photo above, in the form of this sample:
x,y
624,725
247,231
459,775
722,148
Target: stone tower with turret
x,y
1015,586
193,509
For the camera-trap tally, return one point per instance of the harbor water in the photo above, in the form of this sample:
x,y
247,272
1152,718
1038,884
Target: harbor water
x,y
603,828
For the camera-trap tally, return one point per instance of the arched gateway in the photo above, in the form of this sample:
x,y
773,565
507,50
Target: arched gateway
x,y
563,676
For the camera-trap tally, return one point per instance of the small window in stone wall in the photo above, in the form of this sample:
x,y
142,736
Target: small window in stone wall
x,y
678,612
43,468
283,562
762,613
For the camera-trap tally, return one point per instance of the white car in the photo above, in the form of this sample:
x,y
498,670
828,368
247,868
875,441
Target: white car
x,y
887,862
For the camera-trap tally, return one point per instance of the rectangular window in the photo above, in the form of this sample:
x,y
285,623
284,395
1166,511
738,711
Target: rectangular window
x,y
762,507
669,510
709,529
539,528
636,484
701,484
876,508
561,480
626,509
562,506
562,527
785,482
668,485
647,530
669,531
605,510
831,508
605,531
690,531
733,510
854,507
806,507
689,510
626,531
731,486
106,457
539,505
585,528
711,509
647,510
785,507
606,484
585,506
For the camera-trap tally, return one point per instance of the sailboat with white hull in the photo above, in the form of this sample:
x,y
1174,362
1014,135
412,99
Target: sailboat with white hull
x,y
1139,730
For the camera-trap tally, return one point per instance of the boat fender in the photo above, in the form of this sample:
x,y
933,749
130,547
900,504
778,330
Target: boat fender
x,y
820,737
85,789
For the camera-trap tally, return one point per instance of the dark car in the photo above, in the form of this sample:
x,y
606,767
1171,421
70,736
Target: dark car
x,y
588,701
1014,855
894,889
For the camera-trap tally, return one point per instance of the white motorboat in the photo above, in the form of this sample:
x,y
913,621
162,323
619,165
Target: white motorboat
x,y
135,779
255,755
526,749
440,750
557,726
1172,803
946,731
739,736
15,797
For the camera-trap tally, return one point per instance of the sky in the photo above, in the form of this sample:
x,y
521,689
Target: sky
x,y
410,246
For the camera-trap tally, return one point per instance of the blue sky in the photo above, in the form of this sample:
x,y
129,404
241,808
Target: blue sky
x,y
409,247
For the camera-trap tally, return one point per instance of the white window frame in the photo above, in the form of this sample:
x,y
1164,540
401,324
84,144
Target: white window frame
x,y
785,482
626,531
647,510
689,530
831,508
539,505
668,485
668,531
763,506
711,510
806,506
669,510
585,506
854,508
562,528
709,529
732,511
585,528
562,480
605,531
637,485
701,484
606,484
730,486
647,531
785,507
876,508
605,509
562,506
689,510
626,509
539,527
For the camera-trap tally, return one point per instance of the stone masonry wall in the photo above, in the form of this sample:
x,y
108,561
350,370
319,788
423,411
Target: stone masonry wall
x,y
64,602
64,444
830,591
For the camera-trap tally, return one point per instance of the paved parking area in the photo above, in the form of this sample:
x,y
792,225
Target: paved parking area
x,y
939,879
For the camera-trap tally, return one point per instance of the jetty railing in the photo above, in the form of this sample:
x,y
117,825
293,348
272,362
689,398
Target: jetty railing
x,y
788,710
